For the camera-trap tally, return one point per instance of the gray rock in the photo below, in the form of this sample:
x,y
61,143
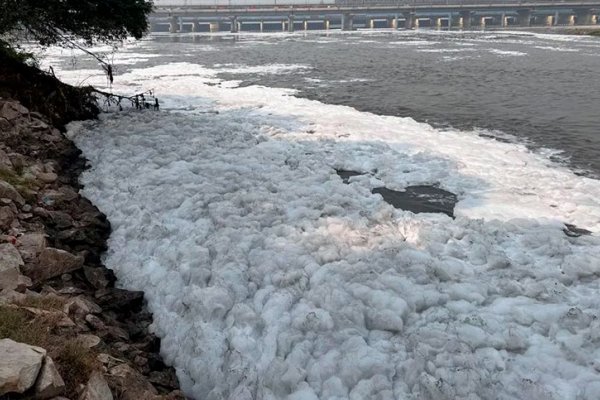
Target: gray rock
x,y
62,220
131,384
80,306
8,191
10,257
94,322
11,280
96,388
49,382
97,277
7,216
8,296
88,341
10,263
52,263
12,110
20,365
31,245
47,177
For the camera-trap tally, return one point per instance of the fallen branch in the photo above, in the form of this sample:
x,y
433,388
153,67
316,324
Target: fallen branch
x,y
138,100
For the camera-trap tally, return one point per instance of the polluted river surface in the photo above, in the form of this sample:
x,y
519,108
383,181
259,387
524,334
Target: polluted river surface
x,y
390,215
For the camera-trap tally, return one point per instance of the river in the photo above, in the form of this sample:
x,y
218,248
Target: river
x,y
253,210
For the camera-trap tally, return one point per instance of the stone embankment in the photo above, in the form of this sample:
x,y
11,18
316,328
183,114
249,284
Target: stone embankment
x,y
65,330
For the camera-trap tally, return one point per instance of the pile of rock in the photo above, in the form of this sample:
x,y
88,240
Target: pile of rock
x,y
81,337
27,368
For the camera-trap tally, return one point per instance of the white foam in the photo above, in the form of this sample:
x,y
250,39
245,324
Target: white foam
x,y
268,277
507,52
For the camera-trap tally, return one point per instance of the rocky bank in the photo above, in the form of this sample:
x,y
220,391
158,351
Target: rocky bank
x,y
65,329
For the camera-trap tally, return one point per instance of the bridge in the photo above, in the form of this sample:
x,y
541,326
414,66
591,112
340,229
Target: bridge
x,y
181,16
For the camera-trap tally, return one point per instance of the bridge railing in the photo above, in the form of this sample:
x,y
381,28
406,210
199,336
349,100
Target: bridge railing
x,y
251,4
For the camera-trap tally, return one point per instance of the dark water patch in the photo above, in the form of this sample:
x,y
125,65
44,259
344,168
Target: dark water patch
x,y
420,199
573,231
346,175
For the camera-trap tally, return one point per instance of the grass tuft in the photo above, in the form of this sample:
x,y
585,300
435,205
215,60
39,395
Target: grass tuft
x,y
48,303
20,183
19,326
75,364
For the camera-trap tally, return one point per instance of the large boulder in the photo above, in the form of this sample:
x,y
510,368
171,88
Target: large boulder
x,y
96,388
49,382
52,263
31,246
8,191
20,365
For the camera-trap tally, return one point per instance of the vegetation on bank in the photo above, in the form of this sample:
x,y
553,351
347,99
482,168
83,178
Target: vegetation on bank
x,y
58,21
42,320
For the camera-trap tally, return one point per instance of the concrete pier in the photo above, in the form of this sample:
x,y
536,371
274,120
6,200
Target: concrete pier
x,y
466,19
409,20
234,25
174,24
214,27
524,17
290,23
347,22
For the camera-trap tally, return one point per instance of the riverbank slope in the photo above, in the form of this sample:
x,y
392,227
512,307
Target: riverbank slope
x,y
65,329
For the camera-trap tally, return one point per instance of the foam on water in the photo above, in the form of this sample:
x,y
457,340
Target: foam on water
x,y
270,278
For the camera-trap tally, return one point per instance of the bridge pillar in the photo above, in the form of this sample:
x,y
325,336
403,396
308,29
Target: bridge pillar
x,y
347,22
326,24
583,16
594,20
234,24
548,20
282,26
214,27
503,20
290,23
305,25
466,19
173,25
482,22
524,17
392,22
409,20
370,23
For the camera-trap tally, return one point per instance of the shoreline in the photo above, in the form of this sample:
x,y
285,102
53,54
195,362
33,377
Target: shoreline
x,y
56,296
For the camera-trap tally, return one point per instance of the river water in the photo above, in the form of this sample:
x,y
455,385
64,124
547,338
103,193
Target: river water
x,y
543,89
252,211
